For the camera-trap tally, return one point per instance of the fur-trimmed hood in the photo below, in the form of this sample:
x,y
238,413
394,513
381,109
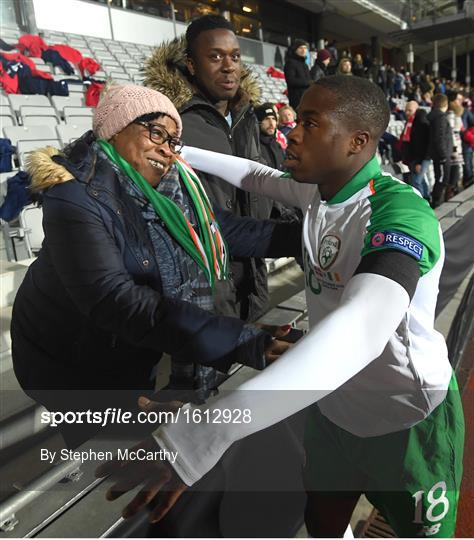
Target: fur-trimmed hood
x,y
165,70
44,171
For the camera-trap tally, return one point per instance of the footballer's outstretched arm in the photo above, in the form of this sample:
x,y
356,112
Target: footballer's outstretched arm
x,y
370,311
251,176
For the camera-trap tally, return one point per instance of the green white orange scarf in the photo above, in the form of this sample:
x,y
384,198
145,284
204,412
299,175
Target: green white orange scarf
x,y
206,244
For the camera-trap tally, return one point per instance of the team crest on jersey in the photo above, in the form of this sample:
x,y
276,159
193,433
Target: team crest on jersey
x,y
328,251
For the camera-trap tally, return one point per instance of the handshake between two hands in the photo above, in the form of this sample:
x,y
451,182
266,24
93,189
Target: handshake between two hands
x,y
161,486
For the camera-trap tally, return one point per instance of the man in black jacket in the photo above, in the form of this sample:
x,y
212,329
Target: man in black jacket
x,y
274,156
440,146
272,152
320,66
419,161
297,74
214,92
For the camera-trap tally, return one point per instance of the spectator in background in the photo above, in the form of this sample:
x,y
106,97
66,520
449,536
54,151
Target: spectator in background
x,y
287,119
426,99
320,66
413,93
426,84
272,152
390,81
467,144
454,115
410,110
399,84
467,119
358,68
331,47
373,70
443,85
296,70
418,159
382,77
344,67
440,147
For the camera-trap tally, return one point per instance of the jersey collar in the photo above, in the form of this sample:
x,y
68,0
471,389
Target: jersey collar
x,y
357,182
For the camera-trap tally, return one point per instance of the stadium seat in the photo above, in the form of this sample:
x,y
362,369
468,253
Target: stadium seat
x,y
85,51
32,116
77,43
4,100
76,89
31,221
62,76
4,176
38,61
17,100
50,120
6,120
24,148
122,78
85,121
110,64
45,68
11,35
57,37
5,112
28,133
71,132
59,102
125,59
75,112
132,70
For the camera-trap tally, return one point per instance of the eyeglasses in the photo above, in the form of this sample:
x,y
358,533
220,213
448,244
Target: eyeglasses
x,y
159,135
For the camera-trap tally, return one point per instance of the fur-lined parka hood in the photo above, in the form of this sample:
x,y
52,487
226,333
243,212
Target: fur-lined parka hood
x,y
44,171
165,70
50,166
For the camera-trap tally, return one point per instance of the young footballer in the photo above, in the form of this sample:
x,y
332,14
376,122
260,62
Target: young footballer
x,y
385,415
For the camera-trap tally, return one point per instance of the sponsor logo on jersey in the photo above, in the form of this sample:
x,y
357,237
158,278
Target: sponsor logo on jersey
x,y
399,241
328,251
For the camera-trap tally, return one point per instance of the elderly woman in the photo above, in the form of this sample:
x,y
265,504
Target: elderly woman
x,y
132,251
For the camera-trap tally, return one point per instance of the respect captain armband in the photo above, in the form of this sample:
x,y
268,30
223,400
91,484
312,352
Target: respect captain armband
x,y
399,241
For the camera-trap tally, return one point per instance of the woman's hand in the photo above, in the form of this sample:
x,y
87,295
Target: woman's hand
x,y
160,482
157,476
276,349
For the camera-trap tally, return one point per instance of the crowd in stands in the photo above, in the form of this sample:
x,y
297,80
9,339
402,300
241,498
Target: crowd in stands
x,y
438,122
436,112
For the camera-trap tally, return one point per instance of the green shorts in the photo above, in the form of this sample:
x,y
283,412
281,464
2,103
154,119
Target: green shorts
x,y
412,477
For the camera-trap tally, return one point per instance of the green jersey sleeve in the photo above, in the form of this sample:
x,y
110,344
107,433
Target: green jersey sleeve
x,y
402,220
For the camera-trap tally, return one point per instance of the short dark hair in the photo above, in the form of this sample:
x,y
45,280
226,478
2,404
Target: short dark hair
x,y
439,101
453,94
360,104
203,24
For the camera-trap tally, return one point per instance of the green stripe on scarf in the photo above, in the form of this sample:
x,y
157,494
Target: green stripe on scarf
x,y
174,219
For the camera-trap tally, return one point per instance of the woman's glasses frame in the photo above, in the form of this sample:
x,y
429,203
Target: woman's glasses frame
x,y
159,135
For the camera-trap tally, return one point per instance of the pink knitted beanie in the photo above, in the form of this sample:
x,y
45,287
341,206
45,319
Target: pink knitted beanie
x,y
120,105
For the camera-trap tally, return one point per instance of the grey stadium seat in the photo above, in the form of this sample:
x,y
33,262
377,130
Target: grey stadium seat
x,y
71,132
28,133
